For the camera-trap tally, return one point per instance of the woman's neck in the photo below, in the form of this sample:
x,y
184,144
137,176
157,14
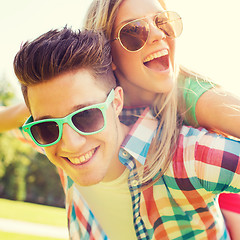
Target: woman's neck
x,y
136,97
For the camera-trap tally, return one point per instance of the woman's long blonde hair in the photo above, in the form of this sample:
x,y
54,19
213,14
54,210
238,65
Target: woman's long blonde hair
x,y
101,16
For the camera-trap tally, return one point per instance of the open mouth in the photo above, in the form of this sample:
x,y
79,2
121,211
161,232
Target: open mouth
x,y
84,158
158,61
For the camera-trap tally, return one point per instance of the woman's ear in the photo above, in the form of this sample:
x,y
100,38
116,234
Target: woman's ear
x,y
118,100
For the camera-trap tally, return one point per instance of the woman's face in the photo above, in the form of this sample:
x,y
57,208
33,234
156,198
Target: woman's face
x,y
144,73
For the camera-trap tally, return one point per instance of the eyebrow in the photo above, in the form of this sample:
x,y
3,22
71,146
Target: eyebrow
x,y
74,109
133,19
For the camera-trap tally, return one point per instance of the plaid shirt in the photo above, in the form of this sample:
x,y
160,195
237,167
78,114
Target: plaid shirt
x,y
180,205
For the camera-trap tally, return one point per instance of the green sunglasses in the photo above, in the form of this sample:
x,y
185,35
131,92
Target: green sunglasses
x,y
86,121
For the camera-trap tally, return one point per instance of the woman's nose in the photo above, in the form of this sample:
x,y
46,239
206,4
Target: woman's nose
x,y
71,140
156,34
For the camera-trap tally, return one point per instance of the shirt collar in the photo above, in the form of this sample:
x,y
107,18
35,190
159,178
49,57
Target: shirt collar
x,y
138,141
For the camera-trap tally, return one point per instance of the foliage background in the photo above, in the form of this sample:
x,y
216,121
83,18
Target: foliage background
x,y
25,174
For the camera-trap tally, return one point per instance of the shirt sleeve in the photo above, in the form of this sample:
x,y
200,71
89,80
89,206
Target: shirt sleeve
x,y
210,161
193,90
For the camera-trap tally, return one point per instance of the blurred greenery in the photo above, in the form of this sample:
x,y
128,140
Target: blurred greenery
x,y
25,174
6,91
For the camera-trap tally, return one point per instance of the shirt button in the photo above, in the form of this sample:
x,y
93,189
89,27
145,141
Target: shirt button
x,y
125,153
134,183
138,219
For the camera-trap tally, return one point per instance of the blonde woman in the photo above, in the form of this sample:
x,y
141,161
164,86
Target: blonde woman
x,y
145,67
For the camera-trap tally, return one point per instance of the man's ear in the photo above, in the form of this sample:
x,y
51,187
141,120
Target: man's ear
x,y
118,100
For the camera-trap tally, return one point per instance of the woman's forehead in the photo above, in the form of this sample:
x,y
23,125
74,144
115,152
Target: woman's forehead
x,y
133,9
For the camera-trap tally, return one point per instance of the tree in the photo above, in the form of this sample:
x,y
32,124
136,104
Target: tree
x,y
15,158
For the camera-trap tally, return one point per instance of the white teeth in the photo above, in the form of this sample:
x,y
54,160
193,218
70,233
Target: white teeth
x,y
82,158
159,54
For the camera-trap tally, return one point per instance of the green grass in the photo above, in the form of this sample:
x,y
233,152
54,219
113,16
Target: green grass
x,y
15,236
34,213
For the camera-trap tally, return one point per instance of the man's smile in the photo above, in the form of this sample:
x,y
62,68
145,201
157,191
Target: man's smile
x,y
83,158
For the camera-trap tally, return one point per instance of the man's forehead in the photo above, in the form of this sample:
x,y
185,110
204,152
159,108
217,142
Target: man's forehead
x,y
61,96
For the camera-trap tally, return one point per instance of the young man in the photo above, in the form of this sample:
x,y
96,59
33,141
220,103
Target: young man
x,y
70,90
68,75
80,89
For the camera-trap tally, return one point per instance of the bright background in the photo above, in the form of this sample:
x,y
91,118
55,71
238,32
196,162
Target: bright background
x,y
209,43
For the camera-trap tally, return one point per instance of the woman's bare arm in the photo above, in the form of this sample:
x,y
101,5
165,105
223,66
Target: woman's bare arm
x,y
13,116
219,110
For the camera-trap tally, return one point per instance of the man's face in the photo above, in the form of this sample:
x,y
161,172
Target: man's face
x,y
87,159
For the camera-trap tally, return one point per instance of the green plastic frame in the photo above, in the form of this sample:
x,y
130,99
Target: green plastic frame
x,y
68,119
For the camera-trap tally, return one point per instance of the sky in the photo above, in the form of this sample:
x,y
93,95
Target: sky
x,y
209,44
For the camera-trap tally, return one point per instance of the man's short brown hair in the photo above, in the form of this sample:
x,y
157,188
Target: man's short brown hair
x,y
60,51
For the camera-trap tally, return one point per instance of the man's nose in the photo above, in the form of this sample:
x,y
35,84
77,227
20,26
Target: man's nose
x,y
71,140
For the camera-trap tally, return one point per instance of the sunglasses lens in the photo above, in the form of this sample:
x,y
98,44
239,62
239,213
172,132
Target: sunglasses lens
x,y
170,23
45,133
134,35
89,121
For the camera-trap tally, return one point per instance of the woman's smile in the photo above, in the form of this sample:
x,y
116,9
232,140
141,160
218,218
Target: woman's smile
x,y
158,61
